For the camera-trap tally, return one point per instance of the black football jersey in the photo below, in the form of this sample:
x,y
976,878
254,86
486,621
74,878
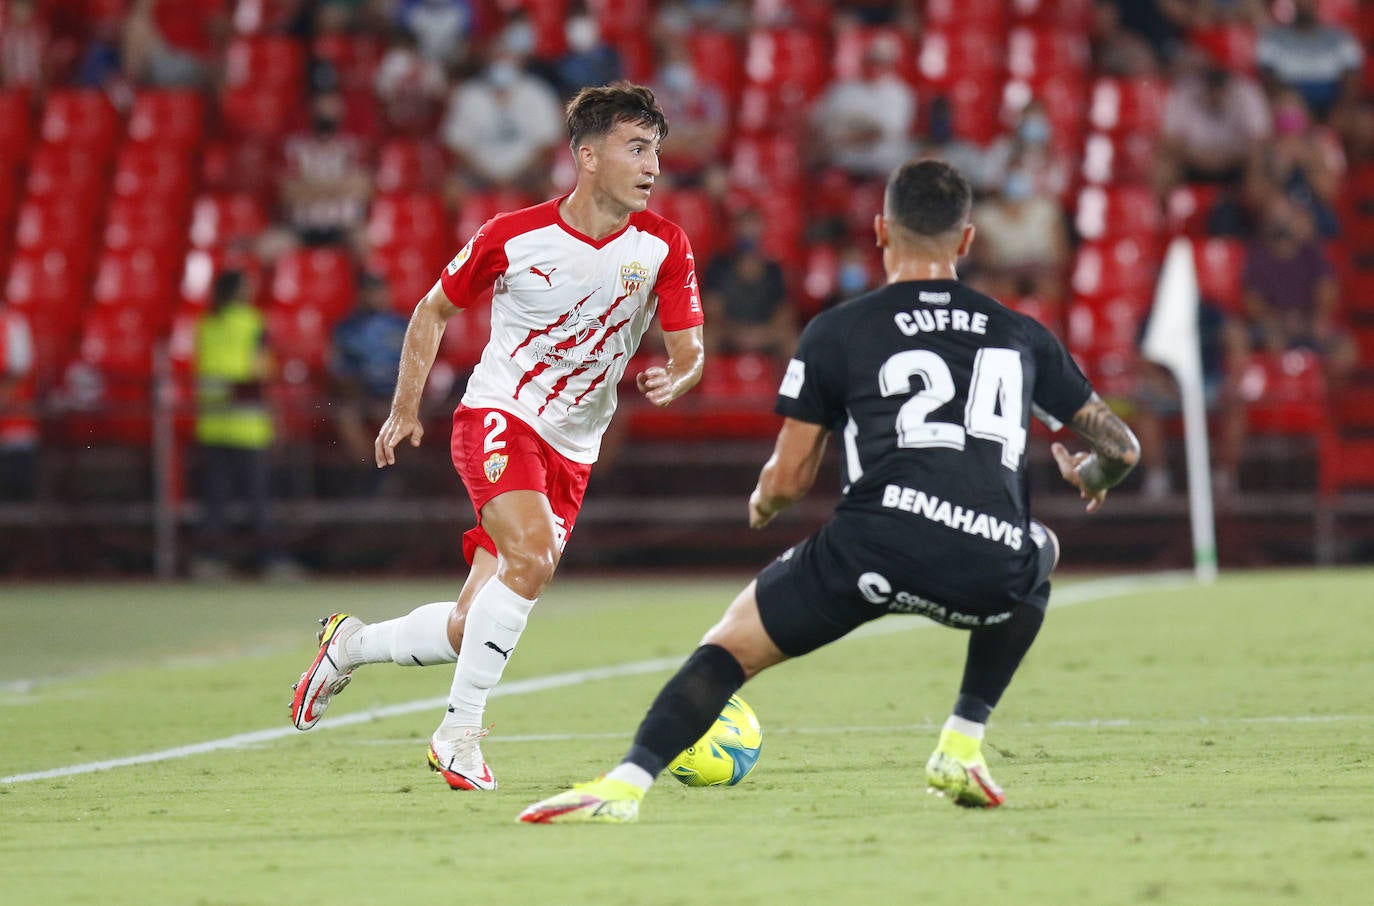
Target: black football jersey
x,y
929,388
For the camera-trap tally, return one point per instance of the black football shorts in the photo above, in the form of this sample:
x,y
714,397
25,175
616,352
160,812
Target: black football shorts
x,y
837,580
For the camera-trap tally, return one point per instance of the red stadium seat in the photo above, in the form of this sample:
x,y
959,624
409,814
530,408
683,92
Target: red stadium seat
x,y
1063,99
201,266
692,210
1188,207
1075,15
1108,212
322,278
479,207
1340,12
1285,393
266,112
961,55
974,106
766,161
59,223
638,62
789,61
622,18
241,166
414,219
263,79
1116,267
1219,264
264,60
253,17
977,15
144,222
142,278
69,172
79,116
300,333
1044,52
225,218
118,341
718,58
1232,45
153,172
15,126
1110,159
1046,311
410,272
852,44
1128,105
172,118
411,165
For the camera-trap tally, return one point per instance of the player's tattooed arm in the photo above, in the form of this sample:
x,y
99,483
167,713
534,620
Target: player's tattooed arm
x,y
686,357
790,471
1115,451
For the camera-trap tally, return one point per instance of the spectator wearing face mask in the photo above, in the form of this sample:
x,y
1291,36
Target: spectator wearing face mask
x,y
1304,162
589,60
1021,248
1028,146
696,109
745,297
327,184
1290,291
1321,62
504,124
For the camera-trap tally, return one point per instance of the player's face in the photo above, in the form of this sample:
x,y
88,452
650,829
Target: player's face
x,y
627,165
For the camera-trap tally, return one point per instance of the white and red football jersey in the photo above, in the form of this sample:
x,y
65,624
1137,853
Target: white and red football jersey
x,y
567,314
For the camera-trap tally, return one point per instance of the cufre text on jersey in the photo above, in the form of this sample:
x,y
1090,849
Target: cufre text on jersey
x,y
969,521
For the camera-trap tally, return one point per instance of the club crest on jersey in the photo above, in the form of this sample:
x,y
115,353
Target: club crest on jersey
x,y
634,276
495,466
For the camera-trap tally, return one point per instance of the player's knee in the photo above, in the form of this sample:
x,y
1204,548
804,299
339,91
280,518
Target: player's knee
x,y
527,568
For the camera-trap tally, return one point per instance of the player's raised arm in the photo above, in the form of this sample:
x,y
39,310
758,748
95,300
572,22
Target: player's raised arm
x,y
686,357
1115,451
417,358
790,472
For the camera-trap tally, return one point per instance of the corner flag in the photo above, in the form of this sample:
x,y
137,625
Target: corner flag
x,y
1172,340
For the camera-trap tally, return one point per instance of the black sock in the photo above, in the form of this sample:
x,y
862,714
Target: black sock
x,y
686,707
994,653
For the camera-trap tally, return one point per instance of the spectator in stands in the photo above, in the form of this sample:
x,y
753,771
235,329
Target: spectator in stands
x,y
1322,62
942,143
441,28
1022,246
854,273
23,48
410,85
697,110
589,59
150,59
1291,293
1214,125
1027,147
866,123
1304,161
745,297
505,123
365,355
1159,23
327,184
1118,50
18,422
234,430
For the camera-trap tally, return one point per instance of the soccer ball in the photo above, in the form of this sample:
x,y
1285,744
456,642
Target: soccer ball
x,y
728,751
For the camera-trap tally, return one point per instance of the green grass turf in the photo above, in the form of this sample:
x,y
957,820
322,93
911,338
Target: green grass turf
x,y
1190,746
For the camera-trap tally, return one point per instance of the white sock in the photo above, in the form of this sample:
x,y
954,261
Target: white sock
x,y
965,726
632,773
493,626
418,639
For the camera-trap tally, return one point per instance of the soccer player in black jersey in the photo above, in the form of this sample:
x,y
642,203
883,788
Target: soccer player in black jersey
x,y
929,387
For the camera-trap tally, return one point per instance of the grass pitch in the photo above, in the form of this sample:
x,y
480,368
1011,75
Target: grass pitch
x,y
1175,745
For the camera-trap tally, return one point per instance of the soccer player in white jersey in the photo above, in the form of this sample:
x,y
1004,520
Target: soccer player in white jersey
x,y
577,280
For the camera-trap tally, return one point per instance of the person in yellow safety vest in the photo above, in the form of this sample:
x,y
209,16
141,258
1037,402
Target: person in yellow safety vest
x,y
234,430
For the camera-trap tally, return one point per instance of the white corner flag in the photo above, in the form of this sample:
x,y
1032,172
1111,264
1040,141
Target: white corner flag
x,y
1172,340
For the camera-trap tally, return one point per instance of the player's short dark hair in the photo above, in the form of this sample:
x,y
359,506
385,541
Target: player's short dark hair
x,y
929,197
594,112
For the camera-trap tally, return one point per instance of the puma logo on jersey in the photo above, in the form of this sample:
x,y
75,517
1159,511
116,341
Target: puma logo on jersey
x,y
548,278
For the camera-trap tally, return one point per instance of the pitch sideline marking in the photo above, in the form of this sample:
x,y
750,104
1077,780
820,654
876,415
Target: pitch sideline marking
x,y
1085,592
